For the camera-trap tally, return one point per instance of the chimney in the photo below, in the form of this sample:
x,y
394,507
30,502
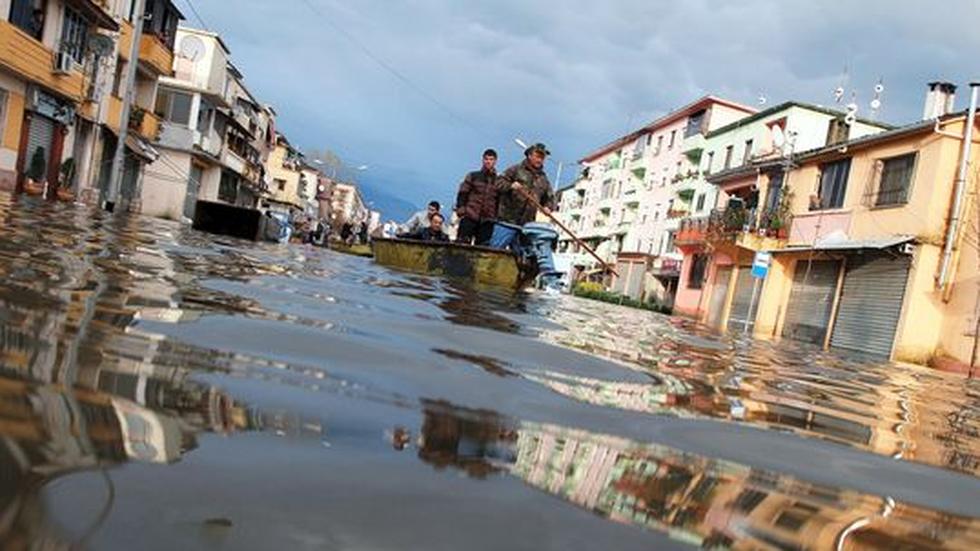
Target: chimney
x,y
939,100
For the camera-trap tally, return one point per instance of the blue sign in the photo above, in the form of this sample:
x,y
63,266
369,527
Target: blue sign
x,y
760,266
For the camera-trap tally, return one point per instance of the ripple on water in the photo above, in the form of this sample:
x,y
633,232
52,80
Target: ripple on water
x,y
193,391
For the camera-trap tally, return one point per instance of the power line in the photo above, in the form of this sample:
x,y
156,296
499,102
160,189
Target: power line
x,y
197,15
391,70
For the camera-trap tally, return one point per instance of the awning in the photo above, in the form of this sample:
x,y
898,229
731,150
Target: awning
x,y
142,148
835,243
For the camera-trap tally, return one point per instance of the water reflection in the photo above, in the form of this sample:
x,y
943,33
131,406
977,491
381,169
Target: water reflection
x,y
710,503
120,337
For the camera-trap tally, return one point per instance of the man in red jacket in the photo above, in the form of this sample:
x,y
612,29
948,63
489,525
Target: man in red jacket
x,y
476,202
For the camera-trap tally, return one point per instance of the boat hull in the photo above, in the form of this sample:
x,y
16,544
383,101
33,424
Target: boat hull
x,y
356,250
479,264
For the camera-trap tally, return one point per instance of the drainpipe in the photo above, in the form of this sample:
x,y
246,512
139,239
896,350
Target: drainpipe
x,y
118,160
960,187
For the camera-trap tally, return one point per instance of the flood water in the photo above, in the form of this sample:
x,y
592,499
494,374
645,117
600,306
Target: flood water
x,y
166,389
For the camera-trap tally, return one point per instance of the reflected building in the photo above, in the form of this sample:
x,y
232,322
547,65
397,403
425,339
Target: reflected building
x,y
705,502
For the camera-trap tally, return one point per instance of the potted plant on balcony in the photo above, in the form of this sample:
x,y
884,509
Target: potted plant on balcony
x,y
136,118
777,223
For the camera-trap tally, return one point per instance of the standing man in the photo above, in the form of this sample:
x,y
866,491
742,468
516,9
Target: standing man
x,y
476,202
513,188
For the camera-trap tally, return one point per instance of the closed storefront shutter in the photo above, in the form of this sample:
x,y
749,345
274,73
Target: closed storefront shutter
x,y
743,309
871,304
634,288
40,135
811,300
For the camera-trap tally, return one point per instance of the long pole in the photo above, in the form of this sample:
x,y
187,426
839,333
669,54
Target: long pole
x,y
954,219
530,199
116,174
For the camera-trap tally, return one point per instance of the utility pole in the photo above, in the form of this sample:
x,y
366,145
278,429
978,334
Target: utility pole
x,y
115,176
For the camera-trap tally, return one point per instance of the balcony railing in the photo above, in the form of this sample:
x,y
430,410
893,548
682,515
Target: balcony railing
x,y
729,224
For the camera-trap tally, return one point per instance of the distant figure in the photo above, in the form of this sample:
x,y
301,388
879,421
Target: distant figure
x,y
476,202
431,233
389,230
362,233
420,220
346,232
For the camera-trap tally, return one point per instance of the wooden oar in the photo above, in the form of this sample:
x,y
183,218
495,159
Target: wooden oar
x,y
530,199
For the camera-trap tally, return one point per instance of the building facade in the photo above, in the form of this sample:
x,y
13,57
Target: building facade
x,y
737,184
63,70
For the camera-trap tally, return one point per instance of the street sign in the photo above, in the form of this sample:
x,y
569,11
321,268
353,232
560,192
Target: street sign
x,y
760,266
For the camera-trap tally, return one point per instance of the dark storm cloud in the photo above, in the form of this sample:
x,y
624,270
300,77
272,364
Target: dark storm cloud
x,y
574,74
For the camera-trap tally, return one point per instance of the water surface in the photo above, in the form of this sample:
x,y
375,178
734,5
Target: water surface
x,y
166,389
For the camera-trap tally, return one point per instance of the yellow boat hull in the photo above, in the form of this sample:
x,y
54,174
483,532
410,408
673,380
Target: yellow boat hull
x,y
356,250
479,264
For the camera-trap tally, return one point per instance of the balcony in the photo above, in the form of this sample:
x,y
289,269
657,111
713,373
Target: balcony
x,y
154,54
745,228
693,147
28,58
692,231
113,115
145,123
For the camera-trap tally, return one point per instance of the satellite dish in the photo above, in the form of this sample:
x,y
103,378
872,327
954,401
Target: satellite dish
x,y
762,99
192,48
838,93
100,45
879,88
875,104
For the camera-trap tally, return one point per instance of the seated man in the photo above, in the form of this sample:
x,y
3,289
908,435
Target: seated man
x,y
432,233
420,220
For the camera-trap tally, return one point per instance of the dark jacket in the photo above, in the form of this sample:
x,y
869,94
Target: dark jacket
x,y
425,234
513,207
477,196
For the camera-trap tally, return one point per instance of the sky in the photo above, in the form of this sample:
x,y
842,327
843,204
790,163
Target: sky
x,y
416,90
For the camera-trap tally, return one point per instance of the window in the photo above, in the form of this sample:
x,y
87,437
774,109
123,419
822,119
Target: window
x,y
74,35
748,152
28,16
774,193
117,80
833,185
673,138
699,268
649,139
204,116
663,183
668,243
280,184
174,106
728,157
677,169
701,199
896,180
694,124
660,144
711,161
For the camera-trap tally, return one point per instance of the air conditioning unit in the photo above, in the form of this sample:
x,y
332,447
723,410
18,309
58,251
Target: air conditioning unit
x,y
63,63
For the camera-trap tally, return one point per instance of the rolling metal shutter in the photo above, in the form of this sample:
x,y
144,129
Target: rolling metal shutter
x,y
871,304
40,135
742,301
811,300
634,288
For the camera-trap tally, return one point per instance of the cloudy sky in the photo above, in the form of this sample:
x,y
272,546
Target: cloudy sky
x,y
417,89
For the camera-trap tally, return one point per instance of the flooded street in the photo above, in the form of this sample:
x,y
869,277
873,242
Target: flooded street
x,y
166,389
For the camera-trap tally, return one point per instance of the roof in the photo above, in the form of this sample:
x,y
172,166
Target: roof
x,y
839,242
687,110
783,107
745,170
95,13
874,139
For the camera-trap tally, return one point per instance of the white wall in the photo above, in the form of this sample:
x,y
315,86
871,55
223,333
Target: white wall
x,y
165,184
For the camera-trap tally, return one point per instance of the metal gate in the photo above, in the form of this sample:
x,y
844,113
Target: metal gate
x,y
871,304
719,292
742,317
40,135
811,300
193,187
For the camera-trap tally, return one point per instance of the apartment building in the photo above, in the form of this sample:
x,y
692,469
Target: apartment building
x,y
289,187
348,205
62,72
625,203
740,171
868,261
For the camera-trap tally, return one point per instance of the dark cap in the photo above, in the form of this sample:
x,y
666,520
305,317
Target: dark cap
x,y
490,153
537,147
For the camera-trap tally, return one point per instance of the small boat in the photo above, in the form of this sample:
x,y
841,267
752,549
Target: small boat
x,y
481,265
356,250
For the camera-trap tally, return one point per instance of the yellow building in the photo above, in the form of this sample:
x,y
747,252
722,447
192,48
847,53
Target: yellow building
x,y
62,74
285,170
862,267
